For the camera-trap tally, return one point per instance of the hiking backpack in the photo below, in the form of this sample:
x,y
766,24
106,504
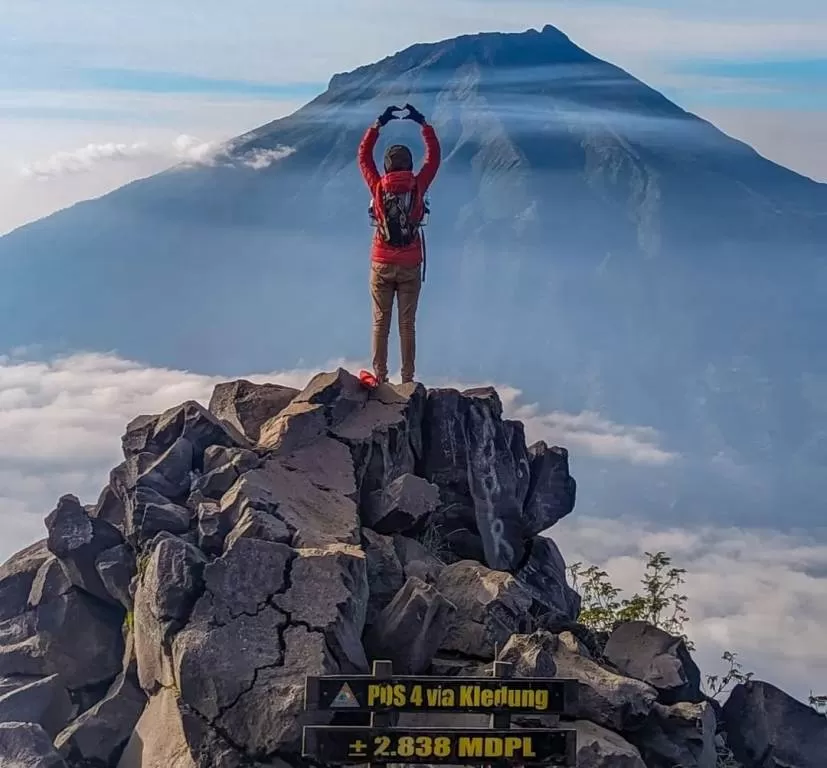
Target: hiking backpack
x,y
395,226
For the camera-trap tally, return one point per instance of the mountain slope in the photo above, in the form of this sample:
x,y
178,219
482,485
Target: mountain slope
x,y
589,239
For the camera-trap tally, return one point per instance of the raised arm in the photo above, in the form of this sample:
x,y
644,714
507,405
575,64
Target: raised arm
x,y
365,155
433,153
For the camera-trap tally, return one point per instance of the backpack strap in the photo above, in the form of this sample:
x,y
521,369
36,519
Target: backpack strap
x,y
424,253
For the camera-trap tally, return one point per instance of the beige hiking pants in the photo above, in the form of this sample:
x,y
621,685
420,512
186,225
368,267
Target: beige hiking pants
x,y
387,281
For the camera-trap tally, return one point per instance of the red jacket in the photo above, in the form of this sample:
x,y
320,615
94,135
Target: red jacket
x,y
409,255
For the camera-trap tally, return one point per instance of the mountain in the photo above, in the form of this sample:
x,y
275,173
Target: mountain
x,y
591,243
281,534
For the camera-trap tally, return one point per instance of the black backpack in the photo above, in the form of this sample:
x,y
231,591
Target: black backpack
x,y
396,227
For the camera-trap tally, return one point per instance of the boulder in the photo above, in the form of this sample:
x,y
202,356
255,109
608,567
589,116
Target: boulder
x,y
469,452
168,474
339,392
170,584
99,735
327,464
315,516
44,701
416,560
255,524
116,568
217,456
491,606
159,739
643,651
297,426
552,490
246,406
197,425
410,630
50,582
149,513
17,576
329,594
110,507
603,697
72,633
405,504
213,527
138,435
600,748
384,572
543,576
77,540
682,734
27,745
766,728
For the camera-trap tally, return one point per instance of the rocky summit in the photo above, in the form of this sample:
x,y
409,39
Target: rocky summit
x,y
280,533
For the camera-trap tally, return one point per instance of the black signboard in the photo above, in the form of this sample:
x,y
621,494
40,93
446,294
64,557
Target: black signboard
x,y
457,746
355,693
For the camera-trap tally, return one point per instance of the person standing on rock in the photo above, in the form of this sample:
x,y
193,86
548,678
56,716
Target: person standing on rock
x,y
398,253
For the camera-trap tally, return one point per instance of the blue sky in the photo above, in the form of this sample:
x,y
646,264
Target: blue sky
x,y
132,78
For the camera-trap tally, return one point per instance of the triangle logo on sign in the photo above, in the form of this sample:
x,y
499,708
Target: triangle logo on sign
x,y
345,698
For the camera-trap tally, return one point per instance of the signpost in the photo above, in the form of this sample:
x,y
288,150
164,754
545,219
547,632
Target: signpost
x,y
383,695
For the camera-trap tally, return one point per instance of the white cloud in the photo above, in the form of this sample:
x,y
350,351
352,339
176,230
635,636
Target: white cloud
x,y
185,149
759,593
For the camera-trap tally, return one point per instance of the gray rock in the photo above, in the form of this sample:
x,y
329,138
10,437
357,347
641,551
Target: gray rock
x,y
216,483
339,392
491,606
99,735
77,540
471,453
150,514
403,505
682,734
600,748
50,582
44,701
543,576
170,584
643,651
416,560
603,697
297,426
246,406
138,435
158,739
217,456
329,594
27,745
72,634
255,524
213,527
110,508
168,474
195,423
552,492
327,464
410,630
384,437
315,516
116,568
17,576
766,728
384,572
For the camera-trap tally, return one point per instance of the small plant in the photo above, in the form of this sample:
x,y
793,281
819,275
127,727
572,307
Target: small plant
x,y
661,603
718,685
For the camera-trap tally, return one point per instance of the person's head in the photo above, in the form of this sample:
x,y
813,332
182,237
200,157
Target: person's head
x,y
398,158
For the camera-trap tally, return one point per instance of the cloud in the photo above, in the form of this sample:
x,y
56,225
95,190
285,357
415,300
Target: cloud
x,y
185,149
756,592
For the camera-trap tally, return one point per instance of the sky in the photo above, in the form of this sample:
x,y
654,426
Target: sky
x,y
93,95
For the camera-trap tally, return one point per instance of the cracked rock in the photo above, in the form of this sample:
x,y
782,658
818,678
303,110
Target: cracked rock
x,y
384,572
643,651
246,406
167,474
410,630
149,513
600,748
16,577
77,539
218,455
116,568
255,524
491,606
405,504
329,594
